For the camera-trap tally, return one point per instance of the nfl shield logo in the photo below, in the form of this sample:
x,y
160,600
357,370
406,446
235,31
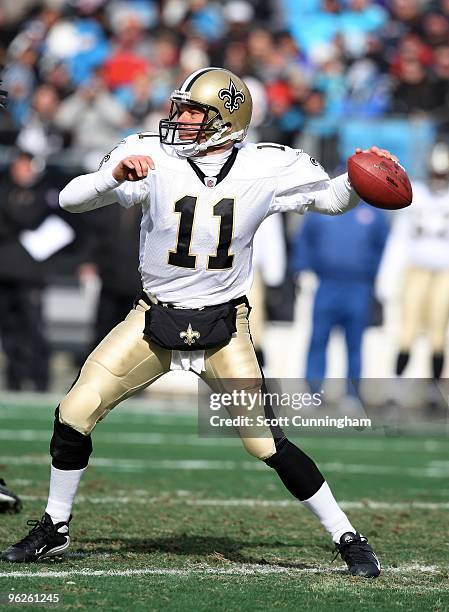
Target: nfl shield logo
x,y
210,181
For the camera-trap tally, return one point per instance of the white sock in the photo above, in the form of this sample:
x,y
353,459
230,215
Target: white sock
x,y
63,487
331,516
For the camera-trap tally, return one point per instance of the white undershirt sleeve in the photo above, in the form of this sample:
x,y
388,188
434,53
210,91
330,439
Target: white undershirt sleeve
x,y
337,199
89,191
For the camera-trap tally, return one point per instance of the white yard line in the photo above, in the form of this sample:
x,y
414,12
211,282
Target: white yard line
x,y
346,505
241,502
429,471
162,439
33,402
235,570
122,438
126,417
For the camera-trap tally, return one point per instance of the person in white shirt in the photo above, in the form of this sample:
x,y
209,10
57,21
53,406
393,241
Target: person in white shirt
x,y
269,265
416,261
204,191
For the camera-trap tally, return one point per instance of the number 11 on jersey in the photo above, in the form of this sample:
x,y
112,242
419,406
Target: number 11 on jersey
x,y
181,257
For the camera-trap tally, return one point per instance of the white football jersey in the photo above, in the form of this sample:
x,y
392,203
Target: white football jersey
x,y
429,227
424,228
197,232
419,237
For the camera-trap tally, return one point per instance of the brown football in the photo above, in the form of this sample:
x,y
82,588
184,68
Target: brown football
x,y
380,181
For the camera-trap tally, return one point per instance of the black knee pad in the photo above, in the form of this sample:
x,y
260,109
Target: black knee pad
x,y
297,470
69,449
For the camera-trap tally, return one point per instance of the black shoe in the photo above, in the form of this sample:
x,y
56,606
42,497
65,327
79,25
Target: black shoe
x,y
43,540
358,555
9,501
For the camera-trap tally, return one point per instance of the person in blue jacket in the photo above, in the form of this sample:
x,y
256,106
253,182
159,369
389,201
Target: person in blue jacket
x,y
344,252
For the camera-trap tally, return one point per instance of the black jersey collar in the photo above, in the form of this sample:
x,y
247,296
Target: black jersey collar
x,y
211,181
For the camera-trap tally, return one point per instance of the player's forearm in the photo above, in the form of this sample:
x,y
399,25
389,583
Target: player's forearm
x,y
89,191
339,198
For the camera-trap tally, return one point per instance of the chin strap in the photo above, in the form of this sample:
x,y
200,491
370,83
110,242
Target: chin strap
x,y
215,140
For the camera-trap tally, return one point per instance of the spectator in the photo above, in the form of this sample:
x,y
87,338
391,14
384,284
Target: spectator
x,y
360,19
405,17
411,48
127,60
20,79
239,15
318,135
298,64
235,58
284,119
260,47
316,28
137,99
57,76
435,29
443,6
23,207
415,91
194,55
367,90
80,43
141,51
95,119
441,75
204,18
39,134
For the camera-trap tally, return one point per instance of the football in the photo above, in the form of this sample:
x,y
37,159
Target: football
x,y
380,181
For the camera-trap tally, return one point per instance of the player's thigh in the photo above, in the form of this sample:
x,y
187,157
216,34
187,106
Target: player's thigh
x,y
235,367
123,363
235,360
438,309
414,299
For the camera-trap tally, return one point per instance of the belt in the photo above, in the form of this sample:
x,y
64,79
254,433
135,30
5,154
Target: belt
x,y
146,298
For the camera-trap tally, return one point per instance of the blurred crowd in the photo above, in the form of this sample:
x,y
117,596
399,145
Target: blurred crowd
x,y
83,74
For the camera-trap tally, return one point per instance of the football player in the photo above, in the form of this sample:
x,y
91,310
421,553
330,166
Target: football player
x,y
204,192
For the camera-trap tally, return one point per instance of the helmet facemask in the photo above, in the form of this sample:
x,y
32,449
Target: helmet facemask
x,y
205,135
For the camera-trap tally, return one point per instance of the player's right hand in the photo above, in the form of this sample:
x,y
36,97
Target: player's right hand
x,y
133,168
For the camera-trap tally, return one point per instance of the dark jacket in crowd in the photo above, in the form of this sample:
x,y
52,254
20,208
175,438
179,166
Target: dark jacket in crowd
x,y
114,247
21,208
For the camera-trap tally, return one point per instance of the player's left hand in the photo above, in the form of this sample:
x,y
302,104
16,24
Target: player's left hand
x,y
380,152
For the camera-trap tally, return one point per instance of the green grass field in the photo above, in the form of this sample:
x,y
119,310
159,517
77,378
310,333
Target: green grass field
x,y
167,521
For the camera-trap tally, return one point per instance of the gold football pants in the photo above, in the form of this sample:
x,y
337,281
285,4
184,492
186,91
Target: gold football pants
x,y
425,306
258,311
126,362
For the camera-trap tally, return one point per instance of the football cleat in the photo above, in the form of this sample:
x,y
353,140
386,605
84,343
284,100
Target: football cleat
x,y
358,555
9,501
44,540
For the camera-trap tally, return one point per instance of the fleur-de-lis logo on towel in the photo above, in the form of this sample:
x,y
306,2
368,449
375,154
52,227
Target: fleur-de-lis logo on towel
x,y
232,96
189,335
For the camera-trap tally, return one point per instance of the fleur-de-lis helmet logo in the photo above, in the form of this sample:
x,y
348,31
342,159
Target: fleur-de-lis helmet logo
x,y
232,97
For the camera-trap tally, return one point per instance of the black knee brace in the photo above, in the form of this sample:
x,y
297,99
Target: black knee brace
x,y
69,449
296,470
